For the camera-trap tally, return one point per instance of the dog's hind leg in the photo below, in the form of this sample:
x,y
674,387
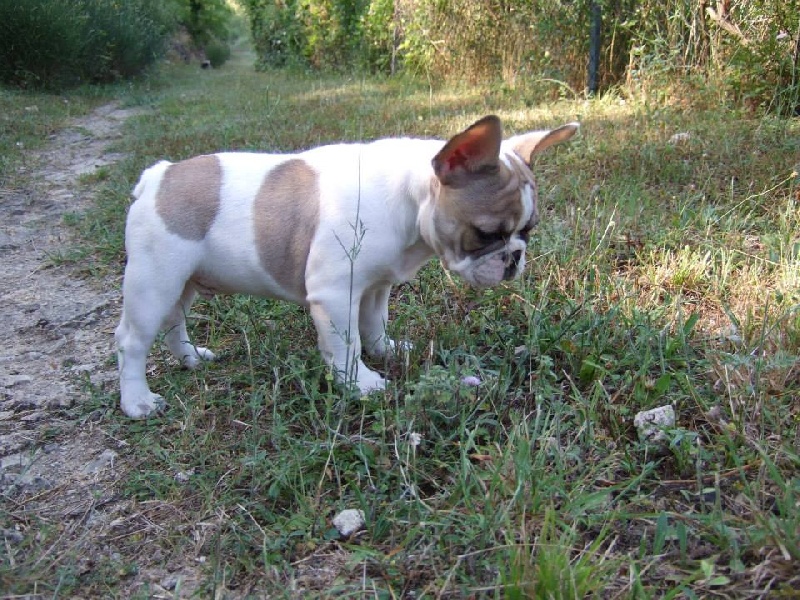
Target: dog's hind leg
x,y
178,338
148,302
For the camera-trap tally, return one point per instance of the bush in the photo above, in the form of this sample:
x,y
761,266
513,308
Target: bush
x,y
319,33
277,35
58,43
206,20
218,53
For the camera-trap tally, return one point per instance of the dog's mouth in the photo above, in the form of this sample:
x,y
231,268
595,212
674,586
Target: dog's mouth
x,y
486,269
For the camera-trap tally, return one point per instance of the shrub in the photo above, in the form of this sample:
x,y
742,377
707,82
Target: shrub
x,y
321,33
277,36
218,53
57,43
206,20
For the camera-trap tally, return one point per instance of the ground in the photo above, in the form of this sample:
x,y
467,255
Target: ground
x,y
59,469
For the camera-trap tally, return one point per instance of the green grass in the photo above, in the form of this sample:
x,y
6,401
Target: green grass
x,y
28,120
661,274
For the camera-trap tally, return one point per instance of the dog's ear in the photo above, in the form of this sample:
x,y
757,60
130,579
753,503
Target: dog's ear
x,y
474,150
530,144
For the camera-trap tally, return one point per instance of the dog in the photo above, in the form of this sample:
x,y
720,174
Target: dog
x,y
331,228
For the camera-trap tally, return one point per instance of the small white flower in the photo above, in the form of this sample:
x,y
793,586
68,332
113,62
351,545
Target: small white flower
x,y
471,381
414,439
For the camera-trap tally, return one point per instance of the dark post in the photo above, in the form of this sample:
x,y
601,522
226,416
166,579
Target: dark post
x,y
594,47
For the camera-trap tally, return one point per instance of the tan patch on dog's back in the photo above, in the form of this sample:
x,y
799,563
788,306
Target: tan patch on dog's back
x,y
188,196
286,214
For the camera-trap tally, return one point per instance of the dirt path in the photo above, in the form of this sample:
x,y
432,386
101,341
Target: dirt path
x,y
57,474
46,310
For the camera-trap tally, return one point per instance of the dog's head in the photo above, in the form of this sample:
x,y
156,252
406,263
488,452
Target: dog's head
x,y
484,203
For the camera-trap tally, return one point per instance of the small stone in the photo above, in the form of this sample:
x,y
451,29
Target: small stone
x,y
61,401
12,536
170,582
680,138
349,521
651,423
13,484
37,415
105,459
183,477
550,445
12,380
20,460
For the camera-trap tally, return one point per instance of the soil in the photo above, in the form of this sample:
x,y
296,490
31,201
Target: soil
x,y
61,473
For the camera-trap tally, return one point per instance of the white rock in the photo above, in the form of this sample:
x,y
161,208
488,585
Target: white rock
x,y
183,477
651,423
349,521
680,138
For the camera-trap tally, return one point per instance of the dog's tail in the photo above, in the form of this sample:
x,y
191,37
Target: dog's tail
x,y
150,177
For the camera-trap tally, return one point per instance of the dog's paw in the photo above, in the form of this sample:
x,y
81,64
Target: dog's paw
x,y
197,357
399,347
370,381
387,347
143,405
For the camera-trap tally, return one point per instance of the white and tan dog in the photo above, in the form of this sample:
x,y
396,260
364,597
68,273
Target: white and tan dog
x,y
331,228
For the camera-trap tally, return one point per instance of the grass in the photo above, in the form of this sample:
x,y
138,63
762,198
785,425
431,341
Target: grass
x,y
30,118
661,274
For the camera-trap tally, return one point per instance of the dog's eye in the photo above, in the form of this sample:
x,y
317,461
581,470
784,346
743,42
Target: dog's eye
x,y
525,232
488,237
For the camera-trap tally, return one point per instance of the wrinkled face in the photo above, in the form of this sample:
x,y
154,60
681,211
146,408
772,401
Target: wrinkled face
x,y
480,227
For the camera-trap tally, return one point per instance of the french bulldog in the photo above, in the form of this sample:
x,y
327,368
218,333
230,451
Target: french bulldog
x,y
331,228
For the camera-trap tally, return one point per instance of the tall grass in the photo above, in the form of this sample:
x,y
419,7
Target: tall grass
x,y
750,50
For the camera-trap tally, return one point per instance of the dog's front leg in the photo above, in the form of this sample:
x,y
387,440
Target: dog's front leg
x,y
373,320
340,343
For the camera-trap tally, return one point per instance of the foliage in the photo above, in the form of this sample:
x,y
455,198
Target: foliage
x,y
218,53
753,48
277,35
55,43
763,60
206,20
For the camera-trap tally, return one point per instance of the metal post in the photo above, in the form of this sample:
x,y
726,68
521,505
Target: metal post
x,y
594,47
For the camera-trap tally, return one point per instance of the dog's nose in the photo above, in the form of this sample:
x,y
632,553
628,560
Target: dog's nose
x,y
512,261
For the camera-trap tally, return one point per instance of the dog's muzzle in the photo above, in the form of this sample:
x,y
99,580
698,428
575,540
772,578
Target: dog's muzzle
x,y
511,260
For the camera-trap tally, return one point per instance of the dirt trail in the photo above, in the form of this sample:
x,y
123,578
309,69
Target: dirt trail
x,y
56,471
56,324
